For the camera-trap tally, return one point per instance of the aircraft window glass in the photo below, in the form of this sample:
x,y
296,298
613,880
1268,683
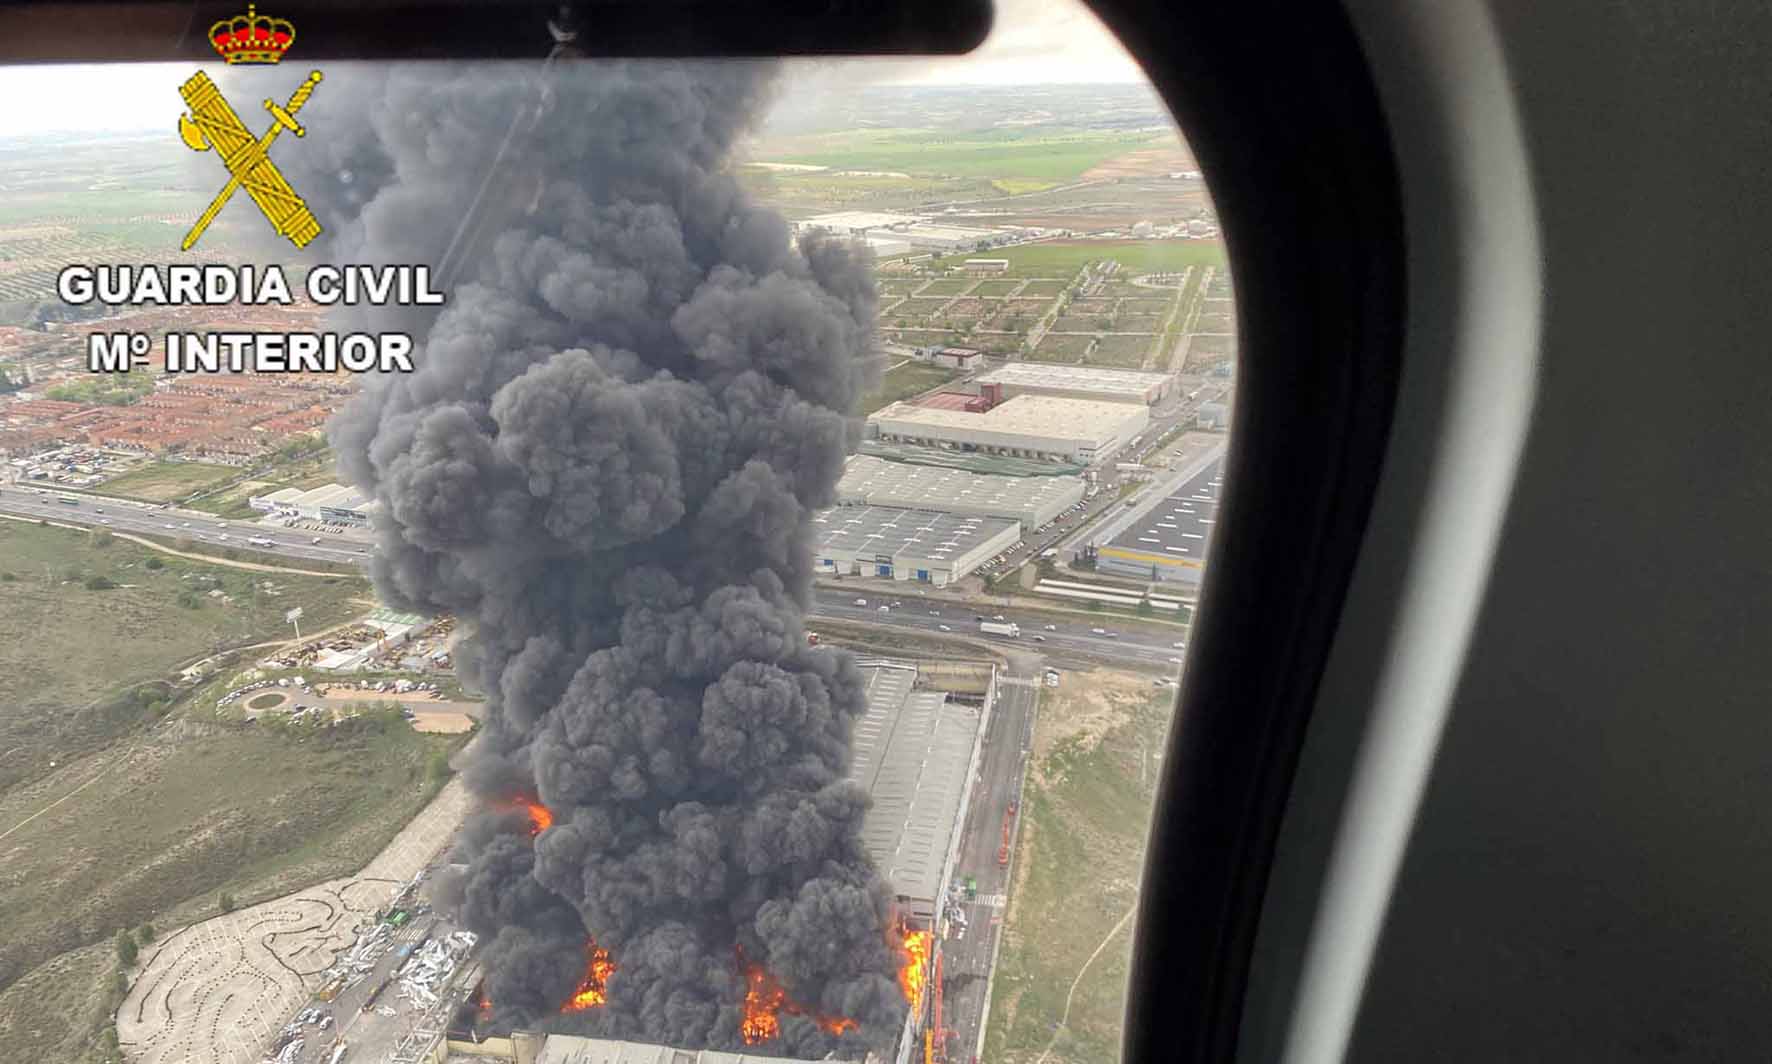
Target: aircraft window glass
x,y
693,553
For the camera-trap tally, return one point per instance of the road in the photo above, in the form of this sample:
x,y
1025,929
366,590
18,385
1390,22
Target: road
x,y
1067,642
967,956
121,515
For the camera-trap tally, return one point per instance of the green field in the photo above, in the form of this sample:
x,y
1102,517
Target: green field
x,y
1043,156
1138,256
912,378
1060,349
995,288
166,481
1079,855
312,471
1121,352
948,286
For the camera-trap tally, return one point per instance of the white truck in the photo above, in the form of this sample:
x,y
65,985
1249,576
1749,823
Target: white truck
x,y
259,541
1008,628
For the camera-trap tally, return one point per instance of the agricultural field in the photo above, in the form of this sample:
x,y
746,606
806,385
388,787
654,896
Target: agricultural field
x,y
1086,808
1044,156
995,289
947,287
1121,350
1060,348
166,481
1045,289
902,382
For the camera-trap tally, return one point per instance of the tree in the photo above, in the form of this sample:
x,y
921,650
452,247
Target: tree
x,y
144,934
153,563
126,949
99,583
227,902
103,538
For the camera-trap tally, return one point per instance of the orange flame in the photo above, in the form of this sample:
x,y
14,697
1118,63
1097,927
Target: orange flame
x,y
762,1001
593,988
914,976
765,999
541,818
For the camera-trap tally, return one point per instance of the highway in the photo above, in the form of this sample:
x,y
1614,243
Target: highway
x,y
1067,643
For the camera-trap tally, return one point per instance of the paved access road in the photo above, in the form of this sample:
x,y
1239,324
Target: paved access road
x,y
967,956
1067,642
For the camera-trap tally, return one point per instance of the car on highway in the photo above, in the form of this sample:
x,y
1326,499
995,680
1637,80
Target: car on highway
x,y
861,602
1038,638
884,609
935,613
1052,628
104,521
1098,631
944,627
316,539
169,526
1176,661
1179,646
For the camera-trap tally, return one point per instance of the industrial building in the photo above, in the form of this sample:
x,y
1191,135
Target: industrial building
x,y
1080,382
1025,426
1032,501
913,752
1168,541
907,544
337,504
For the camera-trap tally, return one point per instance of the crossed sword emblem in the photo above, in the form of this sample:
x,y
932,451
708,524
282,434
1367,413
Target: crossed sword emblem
x,y
212,123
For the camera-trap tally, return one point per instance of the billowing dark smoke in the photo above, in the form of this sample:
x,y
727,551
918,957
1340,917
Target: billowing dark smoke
x,y
606,461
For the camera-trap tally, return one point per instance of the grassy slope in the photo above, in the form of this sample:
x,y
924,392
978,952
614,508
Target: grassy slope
x,y
64,648
1078,862
153,815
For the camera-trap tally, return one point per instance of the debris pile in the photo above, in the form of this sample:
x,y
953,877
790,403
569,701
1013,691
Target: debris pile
x,y
427,972
355,965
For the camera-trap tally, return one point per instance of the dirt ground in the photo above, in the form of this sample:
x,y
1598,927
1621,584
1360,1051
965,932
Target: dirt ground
x,y
1146,162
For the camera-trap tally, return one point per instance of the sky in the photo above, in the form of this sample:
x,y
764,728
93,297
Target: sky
x,y
1032,42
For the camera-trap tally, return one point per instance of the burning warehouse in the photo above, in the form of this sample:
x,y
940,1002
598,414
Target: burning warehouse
x,y
605,464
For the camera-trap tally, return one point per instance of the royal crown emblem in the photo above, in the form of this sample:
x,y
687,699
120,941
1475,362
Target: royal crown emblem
x,y
252,38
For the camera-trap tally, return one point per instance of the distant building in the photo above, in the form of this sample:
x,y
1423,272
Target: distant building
x,y
986,265
337,504
1213,416
1079,382
1024,426
962,358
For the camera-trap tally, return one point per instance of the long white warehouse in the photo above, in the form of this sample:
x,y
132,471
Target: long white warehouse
x,y
1033,501
920,545
1027,426
1079,382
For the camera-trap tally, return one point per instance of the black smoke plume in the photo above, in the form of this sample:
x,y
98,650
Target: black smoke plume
x,y
606,462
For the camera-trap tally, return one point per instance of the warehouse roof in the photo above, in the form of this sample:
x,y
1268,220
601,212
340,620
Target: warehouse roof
x,y
1181,525
1080,378
574,1049
877,482
891,530
1047,416
334,496
912,753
